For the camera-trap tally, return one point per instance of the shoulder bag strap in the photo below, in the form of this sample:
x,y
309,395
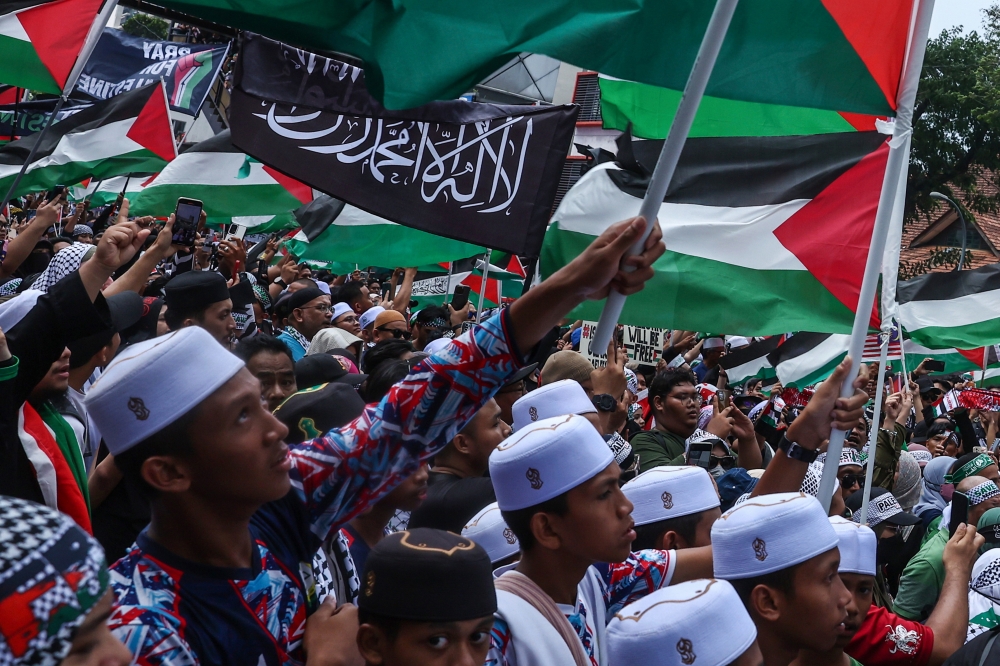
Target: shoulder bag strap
x,y
526,589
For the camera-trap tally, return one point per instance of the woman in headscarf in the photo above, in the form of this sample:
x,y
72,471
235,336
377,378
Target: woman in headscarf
x,y
335,338
908,486
56,579
932,502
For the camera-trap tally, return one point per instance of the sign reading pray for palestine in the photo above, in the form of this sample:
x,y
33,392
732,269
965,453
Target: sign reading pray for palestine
x,y
121,62
642,344
26,118
479,173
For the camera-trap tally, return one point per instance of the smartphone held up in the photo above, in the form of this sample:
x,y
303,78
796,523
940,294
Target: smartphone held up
x,y
186,219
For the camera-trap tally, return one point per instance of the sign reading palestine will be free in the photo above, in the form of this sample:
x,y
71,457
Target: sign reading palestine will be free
x,y
642,344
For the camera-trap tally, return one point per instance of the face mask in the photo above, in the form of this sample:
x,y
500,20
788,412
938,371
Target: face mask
x,y
891,552
947,490
716,471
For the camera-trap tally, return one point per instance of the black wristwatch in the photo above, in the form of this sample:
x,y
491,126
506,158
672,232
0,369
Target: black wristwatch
x,y
605,402
796,452
278,281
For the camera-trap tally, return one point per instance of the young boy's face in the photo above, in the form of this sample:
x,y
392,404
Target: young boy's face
x,y
861,588
462,643
812,616
598,525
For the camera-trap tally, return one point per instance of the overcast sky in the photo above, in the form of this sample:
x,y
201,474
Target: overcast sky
x,y
948,13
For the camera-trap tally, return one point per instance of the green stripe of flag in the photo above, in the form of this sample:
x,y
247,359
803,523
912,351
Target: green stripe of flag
x,y
27,71
650,110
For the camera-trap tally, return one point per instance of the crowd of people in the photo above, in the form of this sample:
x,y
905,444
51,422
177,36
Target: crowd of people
x,y
219,455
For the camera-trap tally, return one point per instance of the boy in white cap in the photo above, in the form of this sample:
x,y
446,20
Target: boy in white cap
x,y
675,507
679,626
221,575
780,553
557,487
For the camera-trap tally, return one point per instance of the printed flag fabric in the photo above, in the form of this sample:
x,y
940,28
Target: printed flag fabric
x,y
648,111
25,118
234,187
108,190
40,41
332,231
804,359
956,309
764,235
131,132
504,280
121,62
751,362
824,54
477,173
954,360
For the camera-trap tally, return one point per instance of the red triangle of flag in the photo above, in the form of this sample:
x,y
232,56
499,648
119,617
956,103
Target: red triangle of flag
x,y
57,31
492,287
296,188
9,94
831,234
152,129
514,266
149,180
974,355
880,43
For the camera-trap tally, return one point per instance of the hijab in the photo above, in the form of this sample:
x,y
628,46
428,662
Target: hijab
x,y
934,473
909,486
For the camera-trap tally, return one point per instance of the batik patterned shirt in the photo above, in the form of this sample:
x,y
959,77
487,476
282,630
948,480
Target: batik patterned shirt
x,y
620,584
172,611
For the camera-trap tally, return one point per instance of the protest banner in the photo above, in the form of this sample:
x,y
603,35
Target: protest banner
x,y
642,344
121,62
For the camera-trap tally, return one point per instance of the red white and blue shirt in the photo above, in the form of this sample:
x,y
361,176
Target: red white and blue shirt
x,y
172,611
618,585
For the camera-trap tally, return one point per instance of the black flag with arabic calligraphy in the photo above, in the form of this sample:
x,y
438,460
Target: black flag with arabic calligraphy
x,y
480,173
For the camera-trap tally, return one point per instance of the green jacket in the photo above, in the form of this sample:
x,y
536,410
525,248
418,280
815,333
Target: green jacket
x,y
888,448
922,580
657,448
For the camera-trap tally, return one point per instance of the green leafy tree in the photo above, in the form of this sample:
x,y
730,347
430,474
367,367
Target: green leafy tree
x,y
956,131
146,26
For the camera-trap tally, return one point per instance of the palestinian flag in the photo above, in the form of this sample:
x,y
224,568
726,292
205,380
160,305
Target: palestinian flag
x,y
107,191
953,359
805,359
130,132
810,53
234,187
764,235
648,111
751,362
333,231
40,41
432,285
982,357
956,309
992,378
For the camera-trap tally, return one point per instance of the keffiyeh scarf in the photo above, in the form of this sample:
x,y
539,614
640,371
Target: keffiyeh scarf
x,y
52,575
63,263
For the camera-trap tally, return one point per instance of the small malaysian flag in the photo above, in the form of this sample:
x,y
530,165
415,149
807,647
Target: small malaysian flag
x,y
873,346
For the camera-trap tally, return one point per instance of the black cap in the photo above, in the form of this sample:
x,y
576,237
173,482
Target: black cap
x,y
315,411
925,384
317,369
919,433
125,309
193,291
428,575
303,296
521,374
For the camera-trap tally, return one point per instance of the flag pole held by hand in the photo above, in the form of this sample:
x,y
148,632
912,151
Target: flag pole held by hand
x,y
704,62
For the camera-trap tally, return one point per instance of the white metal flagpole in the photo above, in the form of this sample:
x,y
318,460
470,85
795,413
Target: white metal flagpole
x,y
873,434
910,79
482,286
711,43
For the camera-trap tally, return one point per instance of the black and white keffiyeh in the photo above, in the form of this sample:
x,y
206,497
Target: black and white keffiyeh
x,y
63,263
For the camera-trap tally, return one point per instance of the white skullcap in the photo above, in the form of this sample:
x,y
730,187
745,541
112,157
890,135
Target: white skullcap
x,y
340,309
769,533
857,545
153,383
368,318
14,310
737,341
488,529
324,287
679,624
676,362
546,459
434,346
565,396
662,493
714,343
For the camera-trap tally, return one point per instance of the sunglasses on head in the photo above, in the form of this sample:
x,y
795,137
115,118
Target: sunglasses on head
x,y
396,333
